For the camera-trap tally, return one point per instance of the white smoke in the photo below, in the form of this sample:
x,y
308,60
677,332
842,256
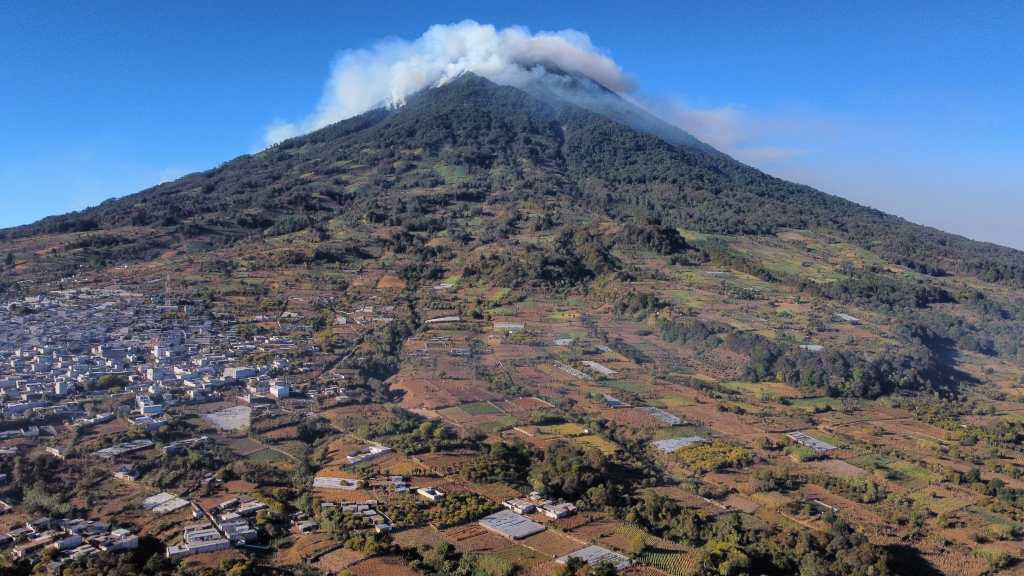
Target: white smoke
x,y
393,70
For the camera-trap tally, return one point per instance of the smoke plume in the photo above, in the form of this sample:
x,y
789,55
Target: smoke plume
x,y
388,73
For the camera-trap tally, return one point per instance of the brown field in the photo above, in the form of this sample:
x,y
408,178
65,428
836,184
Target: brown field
x,y
444,463
880,530
286,433
347,417
572,522
531,439
550,568
304,546
335,561
741,427
416,537
13,519
521,556
495,492
475,538
553,543
522,407
741,503
398,465
596,528
631,417
239,487
211,560
243,446
425,390
390,282
913,429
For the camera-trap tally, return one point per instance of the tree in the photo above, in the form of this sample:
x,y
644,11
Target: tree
x,y
725,558
603,568
572,566
567,471
637,544
9,260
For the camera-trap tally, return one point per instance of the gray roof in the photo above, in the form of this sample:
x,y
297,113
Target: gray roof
x,y
511,525
810,441
595,555
670,445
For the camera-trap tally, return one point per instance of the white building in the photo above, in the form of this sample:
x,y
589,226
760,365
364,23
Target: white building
x,y
432,494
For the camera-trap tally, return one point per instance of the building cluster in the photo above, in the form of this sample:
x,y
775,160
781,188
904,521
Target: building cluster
x,y
76,359
535,502
224,525
69,538
60,348
367,510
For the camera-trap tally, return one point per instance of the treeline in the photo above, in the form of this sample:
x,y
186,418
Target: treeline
x,y
411,433
914,366
988,327
858,489
564,470
653,236
730,546
574,258
879,289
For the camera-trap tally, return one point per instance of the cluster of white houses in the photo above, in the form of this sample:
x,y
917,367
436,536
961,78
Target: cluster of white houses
x,y
553,509
67,346
70,538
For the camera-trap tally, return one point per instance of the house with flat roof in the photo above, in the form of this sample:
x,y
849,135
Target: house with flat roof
x,y
558,510
432,494
520,505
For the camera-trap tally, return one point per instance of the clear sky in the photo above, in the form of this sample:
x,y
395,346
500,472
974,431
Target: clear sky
x,y
911,107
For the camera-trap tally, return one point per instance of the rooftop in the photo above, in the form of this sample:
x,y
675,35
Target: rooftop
x,y
511,525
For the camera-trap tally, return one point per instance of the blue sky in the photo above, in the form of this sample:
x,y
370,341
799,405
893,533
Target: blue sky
x,y
914,108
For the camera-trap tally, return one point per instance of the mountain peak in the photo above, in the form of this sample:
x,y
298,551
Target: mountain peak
x,y
560,138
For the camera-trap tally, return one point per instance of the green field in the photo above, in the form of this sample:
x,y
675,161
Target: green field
x,y
991,517
757,389
567,429
674,563
479,408
266,456
937,504
633,387
915,476
498,424
594,441
816,403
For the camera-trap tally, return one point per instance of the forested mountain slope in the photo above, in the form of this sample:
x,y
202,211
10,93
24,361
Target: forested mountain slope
x,y
510,144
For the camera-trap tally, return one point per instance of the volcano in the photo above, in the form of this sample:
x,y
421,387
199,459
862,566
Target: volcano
x,y
566,145
498,289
